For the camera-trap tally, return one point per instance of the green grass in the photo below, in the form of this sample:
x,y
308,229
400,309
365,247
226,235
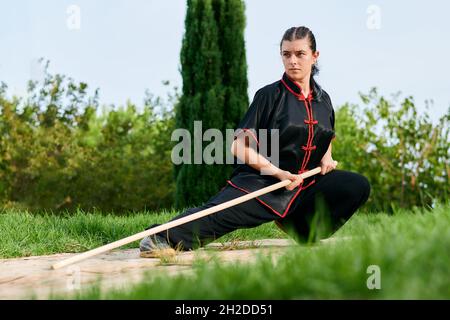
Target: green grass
x,y
24,234
411,248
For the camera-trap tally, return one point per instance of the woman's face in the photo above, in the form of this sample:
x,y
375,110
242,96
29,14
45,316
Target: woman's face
x,y
298,58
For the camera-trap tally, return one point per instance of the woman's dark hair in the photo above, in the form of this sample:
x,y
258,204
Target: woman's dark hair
x,y
298,33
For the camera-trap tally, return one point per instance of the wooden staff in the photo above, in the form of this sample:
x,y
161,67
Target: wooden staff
x,y
180,221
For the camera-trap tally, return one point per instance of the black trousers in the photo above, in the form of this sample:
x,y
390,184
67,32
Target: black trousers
x,y
316,213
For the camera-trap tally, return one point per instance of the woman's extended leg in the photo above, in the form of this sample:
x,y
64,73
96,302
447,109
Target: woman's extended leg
x,y
323,208
197,233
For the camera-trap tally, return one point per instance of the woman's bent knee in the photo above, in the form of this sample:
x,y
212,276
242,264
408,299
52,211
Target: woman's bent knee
x,y
364,187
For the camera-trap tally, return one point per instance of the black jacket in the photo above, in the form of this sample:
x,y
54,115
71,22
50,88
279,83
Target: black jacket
x,y
306,128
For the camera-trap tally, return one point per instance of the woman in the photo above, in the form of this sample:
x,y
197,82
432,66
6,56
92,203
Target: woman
x,y
302,113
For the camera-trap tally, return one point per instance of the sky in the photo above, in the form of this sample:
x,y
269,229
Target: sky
x,y
125,47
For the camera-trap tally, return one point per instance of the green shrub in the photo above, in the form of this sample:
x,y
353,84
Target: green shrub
x,y
402,153
58,152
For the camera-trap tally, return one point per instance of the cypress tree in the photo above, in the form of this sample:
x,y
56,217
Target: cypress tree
x,y
214,89
230,16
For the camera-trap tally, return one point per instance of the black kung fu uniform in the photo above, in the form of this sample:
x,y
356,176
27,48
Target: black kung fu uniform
x,y
306,128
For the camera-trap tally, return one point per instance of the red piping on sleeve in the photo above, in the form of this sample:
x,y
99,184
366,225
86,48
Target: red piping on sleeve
x,y
251,133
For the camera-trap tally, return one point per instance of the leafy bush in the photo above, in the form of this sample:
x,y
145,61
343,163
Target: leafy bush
x,y
402,153
58,152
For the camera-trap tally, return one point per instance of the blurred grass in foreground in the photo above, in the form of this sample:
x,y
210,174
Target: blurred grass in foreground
x,y
411,248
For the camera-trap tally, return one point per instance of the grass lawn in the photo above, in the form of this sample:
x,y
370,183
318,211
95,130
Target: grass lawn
x,y
411,250
24,234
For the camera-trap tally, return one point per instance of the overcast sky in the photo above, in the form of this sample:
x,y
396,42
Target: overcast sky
x,y
125,47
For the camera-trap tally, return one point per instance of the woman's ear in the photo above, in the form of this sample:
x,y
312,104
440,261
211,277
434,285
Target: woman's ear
x,y
316,56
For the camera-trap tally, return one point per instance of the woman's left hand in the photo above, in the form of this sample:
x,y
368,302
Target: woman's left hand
x,y
327,164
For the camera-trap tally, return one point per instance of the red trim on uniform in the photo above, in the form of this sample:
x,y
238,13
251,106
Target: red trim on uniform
x,y
246,191
251,133
310,121
300,188
299,96
309,147
295,83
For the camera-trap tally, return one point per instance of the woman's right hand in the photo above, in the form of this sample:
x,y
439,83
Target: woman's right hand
x,y
295,178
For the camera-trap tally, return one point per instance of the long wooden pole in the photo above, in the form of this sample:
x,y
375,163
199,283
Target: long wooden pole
x,y
180,221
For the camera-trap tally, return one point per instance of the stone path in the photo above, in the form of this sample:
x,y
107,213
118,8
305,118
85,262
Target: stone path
x,y
32,277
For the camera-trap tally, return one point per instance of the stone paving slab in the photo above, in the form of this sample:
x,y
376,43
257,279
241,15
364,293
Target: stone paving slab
x,y
32,277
